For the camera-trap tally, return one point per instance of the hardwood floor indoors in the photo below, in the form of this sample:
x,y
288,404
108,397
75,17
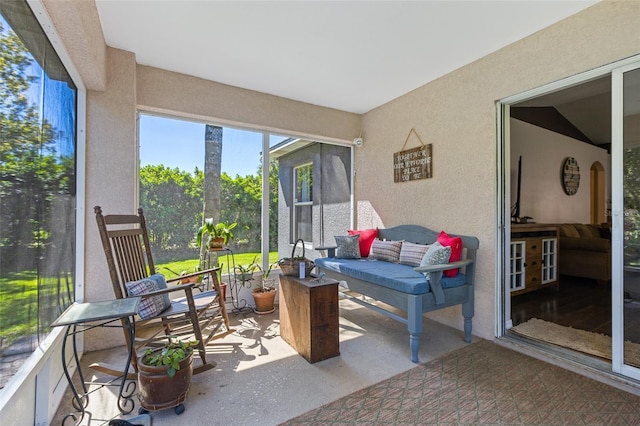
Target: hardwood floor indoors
x,y
578,303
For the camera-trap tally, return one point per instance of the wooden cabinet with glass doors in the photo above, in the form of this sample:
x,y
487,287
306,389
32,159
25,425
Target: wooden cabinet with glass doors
x,y
533,258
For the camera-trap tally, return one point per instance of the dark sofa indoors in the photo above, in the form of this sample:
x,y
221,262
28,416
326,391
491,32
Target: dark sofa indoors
x,y
585,251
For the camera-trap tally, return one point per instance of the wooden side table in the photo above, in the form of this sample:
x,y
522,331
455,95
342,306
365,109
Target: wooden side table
x,y
309,316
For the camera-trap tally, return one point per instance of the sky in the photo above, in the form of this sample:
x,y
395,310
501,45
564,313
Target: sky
x,y
177,143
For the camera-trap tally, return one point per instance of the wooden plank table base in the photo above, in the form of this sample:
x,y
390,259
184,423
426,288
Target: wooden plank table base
x,y
309,316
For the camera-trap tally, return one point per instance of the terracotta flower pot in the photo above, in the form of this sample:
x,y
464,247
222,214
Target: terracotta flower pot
x,y
216,244
158,391
189,280
264,299
223,290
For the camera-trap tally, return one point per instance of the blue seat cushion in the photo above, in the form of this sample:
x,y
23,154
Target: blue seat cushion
x,y
391,275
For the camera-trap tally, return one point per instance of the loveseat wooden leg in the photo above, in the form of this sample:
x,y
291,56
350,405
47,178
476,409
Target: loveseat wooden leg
x,y
414,344
467,313
467,329
414,324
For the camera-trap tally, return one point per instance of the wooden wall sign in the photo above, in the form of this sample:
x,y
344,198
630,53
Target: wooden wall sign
x,y
412,164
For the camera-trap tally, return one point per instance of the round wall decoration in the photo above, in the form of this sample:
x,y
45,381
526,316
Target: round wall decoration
x,y
570,176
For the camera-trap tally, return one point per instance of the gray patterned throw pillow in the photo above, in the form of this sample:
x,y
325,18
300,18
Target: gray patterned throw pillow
x,y
437,254
348,246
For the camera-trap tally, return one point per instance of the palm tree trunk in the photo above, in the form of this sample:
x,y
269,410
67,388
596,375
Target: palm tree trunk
x,y
212,171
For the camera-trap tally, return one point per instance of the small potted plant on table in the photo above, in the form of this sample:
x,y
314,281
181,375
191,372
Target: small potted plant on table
x,y
245,272
164,375
219,234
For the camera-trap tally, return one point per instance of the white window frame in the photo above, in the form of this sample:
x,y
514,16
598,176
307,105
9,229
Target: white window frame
x,y
297,203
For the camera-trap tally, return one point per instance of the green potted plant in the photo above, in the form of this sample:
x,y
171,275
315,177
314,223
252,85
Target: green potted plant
x,y
245,272
190,279
219,233
184,276
265,295
164,375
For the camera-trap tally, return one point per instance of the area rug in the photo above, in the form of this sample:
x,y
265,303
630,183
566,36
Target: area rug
x,y
482,383
579,340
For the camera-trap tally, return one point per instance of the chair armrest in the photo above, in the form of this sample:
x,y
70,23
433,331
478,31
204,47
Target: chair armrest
x,y
162,291
193,274
444,266
331,250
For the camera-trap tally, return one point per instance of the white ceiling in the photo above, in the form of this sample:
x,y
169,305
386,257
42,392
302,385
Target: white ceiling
x,y
348,55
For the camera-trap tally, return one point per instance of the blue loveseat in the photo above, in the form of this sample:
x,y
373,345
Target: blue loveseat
x,y
411,290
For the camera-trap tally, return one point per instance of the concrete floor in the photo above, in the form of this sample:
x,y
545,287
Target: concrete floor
x,y
260,379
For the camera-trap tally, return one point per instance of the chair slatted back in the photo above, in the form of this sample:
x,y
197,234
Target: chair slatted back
x,y
126,245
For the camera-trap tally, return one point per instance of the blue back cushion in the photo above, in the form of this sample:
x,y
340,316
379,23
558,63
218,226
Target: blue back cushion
x,y
162,284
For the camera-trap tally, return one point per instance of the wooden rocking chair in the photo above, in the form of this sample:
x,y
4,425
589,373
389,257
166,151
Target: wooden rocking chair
x,y
195,316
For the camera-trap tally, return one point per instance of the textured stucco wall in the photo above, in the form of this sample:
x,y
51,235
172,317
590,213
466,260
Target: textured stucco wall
x,y
543,153
111,174
331,195
457,114
78,26
168,92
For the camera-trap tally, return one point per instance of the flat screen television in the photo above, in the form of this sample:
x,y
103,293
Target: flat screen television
x,y
515,210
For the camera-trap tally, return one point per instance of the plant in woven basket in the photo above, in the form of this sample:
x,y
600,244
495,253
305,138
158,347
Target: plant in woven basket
x,y
291,265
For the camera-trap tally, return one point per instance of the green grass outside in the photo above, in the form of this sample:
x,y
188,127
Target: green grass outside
x,y
173,269
19,293
18,301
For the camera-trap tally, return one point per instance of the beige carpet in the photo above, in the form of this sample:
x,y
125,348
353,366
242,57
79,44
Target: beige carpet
x,y
482,383
579,340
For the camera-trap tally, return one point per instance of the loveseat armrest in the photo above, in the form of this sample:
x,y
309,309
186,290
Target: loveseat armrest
x,y
435,275
444,266
331,250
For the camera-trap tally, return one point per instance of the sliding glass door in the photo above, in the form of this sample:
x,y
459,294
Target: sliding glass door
x,y
606,103
626,231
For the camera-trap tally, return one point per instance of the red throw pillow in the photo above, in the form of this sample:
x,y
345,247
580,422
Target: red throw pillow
x,y
366,239
456,251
